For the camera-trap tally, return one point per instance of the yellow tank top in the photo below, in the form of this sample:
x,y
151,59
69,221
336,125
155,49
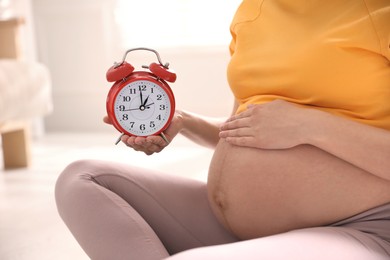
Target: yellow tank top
x,y
327,54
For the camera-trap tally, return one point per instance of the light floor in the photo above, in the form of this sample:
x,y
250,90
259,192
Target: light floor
x,y
30,228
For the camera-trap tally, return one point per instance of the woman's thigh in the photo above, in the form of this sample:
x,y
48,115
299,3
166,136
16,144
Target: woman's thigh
x,y
321,243
93,194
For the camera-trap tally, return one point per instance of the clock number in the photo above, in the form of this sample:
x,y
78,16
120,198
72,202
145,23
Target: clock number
x,y
142,127
125,117
162,107
132,124
152,124
126,98
159,117
142,87
152,90
159,97
132,91
122,108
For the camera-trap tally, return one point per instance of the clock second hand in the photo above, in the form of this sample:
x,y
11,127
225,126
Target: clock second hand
x,y
138,108
148,105
131,109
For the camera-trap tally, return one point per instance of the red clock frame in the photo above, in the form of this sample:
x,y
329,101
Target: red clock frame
x,y
138,76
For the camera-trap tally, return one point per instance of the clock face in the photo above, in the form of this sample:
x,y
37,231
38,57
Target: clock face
x,y
142,108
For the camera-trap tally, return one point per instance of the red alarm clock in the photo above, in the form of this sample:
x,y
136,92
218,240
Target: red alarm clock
x,y
140,103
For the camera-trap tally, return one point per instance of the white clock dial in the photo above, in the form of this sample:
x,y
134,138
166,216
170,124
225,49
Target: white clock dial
x,y
142,108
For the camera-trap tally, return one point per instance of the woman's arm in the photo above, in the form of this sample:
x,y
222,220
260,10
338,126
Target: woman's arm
x,y
364,146
202,130
199,129
281,125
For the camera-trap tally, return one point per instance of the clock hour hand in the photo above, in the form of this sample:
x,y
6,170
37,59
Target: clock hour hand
x,y
143,105
146,101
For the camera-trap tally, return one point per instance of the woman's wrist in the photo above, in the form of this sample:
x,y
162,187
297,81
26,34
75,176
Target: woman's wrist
x,y
184,117
316,125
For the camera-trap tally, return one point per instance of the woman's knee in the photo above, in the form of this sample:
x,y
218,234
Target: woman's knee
x,y
69,180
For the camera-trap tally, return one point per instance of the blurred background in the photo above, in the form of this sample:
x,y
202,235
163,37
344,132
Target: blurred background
x,y
79,40
74,42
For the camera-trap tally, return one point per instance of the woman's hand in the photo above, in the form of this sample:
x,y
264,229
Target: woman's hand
x,y
274,125
152,144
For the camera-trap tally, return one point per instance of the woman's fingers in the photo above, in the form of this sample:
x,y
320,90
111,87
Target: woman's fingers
x,y
148,145
107,120
236,124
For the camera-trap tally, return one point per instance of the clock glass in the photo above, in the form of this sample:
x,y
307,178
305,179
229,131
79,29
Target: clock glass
x,y
142,108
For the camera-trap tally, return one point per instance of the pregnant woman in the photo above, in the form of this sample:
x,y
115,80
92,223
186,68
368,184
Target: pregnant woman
x,y
301,169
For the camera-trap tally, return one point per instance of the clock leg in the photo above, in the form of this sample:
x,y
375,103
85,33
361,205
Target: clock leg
x,y
164,137
119,139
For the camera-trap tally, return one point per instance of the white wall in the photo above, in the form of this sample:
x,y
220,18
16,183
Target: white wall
x,y
78,40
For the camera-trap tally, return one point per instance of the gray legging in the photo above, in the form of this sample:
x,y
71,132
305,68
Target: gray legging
x,y
116,211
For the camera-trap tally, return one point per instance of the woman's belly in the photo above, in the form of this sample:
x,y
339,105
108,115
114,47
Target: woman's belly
x,y
257,192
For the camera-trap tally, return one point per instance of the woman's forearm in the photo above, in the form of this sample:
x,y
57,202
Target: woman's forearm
x,y
201,130
364,146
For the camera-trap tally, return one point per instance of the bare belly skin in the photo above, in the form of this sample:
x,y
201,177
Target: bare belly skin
x,y
256,193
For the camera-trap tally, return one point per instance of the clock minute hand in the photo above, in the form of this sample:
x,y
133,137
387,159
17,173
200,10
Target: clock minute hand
x,y
142,102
